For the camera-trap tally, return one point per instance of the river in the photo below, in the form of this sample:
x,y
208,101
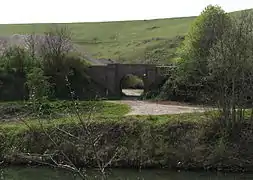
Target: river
x,y
31,173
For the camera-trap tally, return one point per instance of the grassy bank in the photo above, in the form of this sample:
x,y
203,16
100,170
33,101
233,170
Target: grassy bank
x,y
10,111
186,141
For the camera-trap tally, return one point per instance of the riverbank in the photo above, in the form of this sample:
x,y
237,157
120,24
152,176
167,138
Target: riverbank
x,y
184,141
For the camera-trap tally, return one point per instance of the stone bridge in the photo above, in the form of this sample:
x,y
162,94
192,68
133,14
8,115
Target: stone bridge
x,y
110,76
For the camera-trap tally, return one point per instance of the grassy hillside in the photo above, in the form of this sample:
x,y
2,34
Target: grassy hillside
x,y
127,41
123,41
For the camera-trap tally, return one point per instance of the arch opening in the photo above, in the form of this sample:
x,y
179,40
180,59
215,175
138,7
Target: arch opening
x,y
131,86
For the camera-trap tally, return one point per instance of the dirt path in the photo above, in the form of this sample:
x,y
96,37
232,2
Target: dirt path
x,y
157,108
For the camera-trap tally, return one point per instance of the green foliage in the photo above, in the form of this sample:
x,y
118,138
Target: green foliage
x,y
15,63
12,86
230,70
38,85
204,33
69,76
187,141
17,59
52,71
43,79
189,79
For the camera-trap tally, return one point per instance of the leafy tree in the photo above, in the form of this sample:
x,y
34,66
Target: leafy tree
x,y
203,34
189,78
230,67
59,62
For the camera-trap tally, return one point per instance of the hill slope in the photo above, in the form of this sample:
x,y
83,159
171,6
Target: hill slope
x,y
122,41
126,41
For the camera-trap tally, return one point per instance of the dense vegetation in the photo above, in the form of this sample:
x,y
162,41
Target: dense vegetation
x,y
47,68
215,65
216,50
190,141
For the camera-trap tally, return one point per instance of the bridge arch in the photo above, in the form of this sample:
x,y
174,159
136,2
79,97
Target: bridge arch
x,y
110,76
132,85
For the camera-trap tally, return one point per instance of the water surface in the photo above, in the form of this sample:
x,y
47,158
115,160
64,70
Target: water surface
x,y
31,173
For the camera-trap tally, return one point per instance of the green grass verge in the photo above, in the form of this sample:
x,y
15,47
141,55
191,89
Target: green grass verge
x,y
60,109
20,126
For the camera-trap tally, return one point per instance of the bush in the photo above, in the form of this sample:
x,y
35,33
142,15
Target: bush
x,y
12,86
15,64
17,59
38,85
44,79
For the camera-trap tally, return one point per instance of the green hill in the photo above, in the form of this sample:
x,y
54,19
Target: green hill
x,y
125,41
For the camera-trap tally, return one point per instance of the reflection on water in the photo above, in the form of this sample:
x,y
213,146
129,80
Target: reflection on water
x,y
29,173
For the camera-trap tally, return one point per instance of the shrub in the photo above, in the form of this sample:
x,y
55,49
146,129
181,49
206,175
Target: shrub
x,y
17,59
37,82
15,63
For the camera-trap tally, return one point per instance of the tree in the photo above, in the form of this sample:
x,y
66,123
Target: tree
x,y
51,48
56,43
203,34
230,68
32,44
57,60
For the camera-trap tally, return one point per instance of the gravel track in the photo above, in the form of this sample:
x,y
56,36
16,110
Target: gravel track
x,y
158,108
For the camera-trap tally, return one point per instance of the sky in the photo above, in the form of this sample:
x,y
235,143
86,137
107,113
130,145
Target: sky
x,y
57,11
